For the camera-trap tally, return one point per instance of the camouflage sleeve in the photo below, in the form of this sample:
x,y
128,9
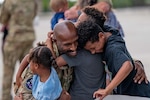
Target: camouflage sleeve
x,y
5,13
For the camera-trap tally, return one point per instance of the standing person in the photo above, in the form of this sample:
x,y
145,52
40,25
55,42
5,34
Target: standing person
x,y
59,7
116,56
45,83
105,6
4,30
19,16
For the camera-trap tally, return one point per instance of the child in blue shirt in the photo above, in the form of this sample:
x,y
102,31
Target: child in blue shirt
x,y
59,7
45,83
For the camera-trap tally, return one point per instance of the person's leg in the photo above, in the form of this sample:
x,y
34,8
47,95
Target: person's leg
x,y
5,32
25,87
9,60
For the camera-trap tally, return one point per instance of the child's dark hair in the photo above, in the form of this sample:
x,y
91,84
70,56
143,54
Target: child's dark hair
x,y
91,2
41,55
95,15
88,31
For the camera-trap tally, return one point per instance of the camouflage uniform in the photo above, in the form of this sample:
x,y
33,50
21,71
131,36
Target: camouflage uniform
x,y
65,73
19,16
26,86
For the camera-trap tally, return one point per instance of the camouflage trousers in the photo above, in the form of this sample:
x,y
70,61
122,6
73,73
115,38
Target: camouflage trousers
x,y
13,51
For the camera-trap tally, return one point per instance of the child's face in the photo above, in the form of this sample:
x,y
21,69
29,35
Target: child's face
x,y
81,18
97,46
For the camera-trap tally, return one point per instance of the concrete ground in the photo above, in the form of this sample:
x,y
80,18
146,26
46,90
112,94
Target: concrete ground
x,y
136,25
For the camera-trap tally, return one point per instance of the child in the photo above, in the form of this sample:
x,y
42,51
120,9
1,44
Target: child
x,y
59,7
45,83
25,84
23,78
116,56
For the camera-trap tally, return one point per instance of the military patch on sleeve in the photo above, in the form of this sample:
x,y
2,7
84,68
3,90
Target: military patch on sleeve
x,y
28,84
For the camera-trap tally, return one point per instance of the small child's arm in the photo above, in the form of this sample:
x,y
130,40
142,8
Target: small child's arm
x,y
24,63
120,76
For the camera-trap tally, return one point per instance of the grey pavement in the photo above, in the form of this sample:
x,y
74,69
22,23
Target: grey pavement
x,y
136,25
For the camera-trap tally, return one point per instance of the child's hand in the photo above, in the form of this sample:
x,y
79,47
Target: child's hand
x,y
20,97
49,34
64,96
49,43
100,93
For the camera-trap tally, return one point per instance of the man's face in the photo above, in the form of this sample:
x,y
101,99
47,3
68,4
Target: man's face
x,y
68,43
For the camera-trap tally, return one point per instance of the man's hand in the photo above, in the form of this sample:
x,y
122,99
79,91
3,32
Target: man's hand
x,y
140,75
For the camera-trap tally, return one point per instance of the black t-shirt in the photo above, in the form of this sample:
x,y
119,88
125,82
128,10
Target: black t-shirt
x,y
115,55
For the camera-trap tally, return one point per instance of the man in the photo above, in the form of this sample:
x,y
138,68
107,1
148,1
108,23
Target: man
x,y
18,15
89,73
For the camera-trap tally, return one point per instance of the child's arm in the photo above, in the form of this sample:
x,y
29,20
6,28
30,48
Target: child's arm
x,y
23,65
120,76
60,61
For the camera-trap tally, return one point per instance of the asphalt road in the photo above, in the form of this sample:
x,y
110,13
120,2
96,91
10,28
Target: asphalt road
x,y
136,25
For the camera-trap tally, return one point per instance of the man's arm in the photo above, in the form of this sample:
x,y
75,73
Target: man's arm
x,y
140,75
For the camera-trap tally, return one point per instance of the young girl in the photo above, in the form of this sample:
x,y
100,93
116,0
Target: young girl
x,y
45,83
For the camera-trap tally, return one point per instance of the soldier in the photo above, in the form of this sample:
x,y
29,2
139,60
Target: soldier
x,y
19,16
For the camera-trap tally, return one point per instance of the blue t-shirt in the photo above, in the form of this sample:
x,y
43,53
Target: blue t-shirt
x,y
49,90
89,74
55,19
115,55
